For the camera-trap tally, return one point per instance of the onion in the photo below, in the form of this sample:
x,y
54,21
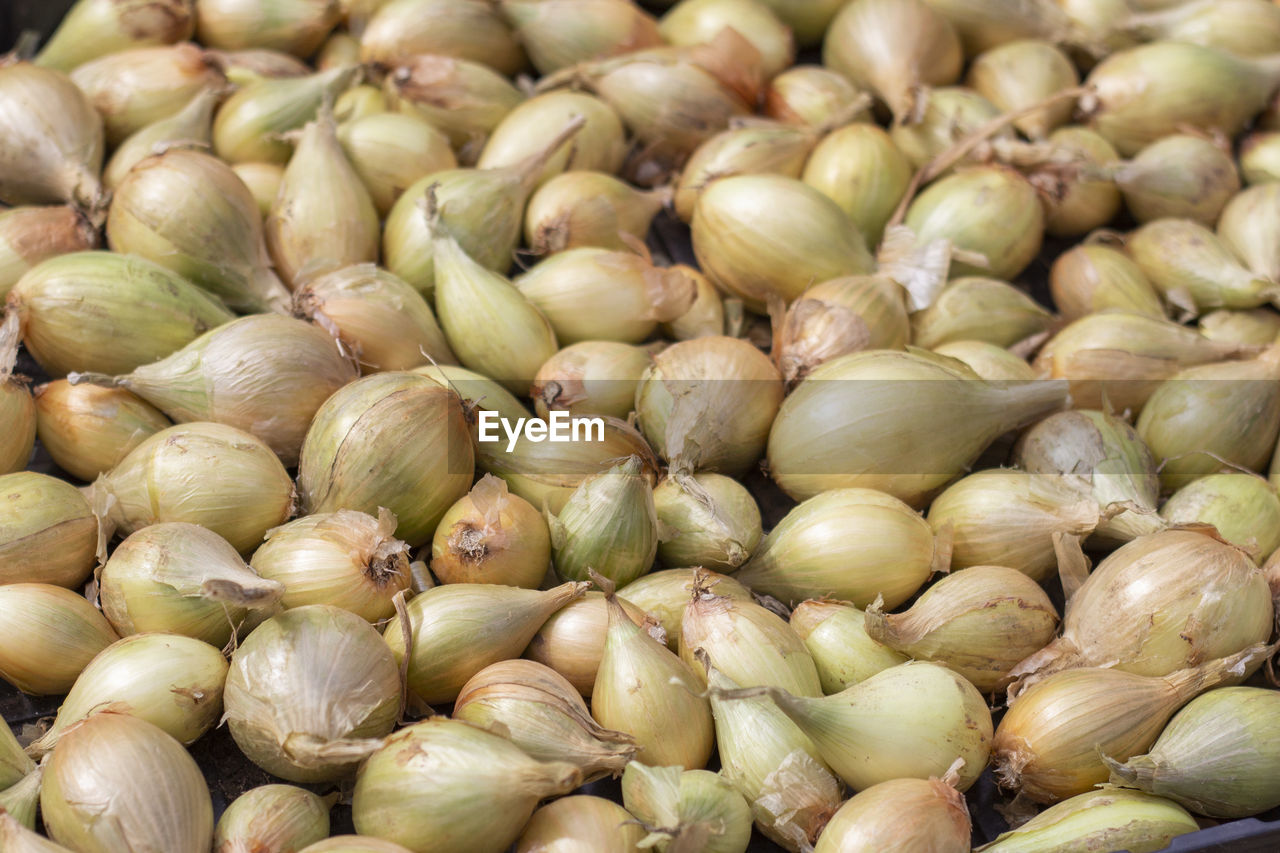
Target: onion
x,y
48,533
590,378
491,536
594,822
251,123
979,309
190,126
571,642
664,595
292,26
310,692
750,149
1243,508
706,520
1090,278
1178,176
836,636
813,96
901,814
560,33
50,635
860,168
534,124
471,30
1108,817
1019,74
687,809
464,100
1086,201
837,317
94,28
274,816
698,21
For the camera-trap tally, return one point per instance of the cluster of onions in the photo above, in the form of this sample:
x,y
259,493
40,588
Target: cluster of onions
x,y
467,401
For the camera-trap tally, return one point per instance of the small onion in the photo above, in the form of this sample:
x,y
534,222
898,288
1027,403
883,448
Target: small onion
x,y
947,114
698,21
1018,74
292,26
859,167
813,96
974,308
491,536
571,641
464,100
1258,326
707,520
590,377
583,208
398,29
594,823
664,595
29,235
533,125
1089,278
561,33
94,796
190,126
1179,176
986,24
1088,201
749,149
841,316
608,525
50,635
310,692
988,360
94,28
87,429
1243,508
901,814
1109,817
1260,157
277,817
836,636
48,532
683,810
250,125
1250,229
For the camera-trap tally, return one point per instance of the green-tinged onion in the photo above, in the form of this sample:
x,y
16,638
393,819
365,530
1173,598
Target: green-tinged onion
x,y
276,817
48,533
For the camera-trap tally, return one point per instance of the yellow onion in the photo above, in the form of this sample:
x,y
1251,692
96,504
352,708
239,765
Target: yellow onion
x,y
1006,517
1099,25
380,320
108,311
533,125
642,687
29,235
17,409
1213,757
459,629
1211,414
901,814
265,373
310,692
182,579
807,19
1051,742
775,766
275,817
580,822
354,844
1260,157
539,711
1137,822
813,96
92,800
984,24
909,721
1251,230
464,100
988,360
860,168
391,151
546,473
894,48
189,127
1104,455
218,245
1089,278
263,182
707,520
747,149
1148,92
470,30
94,28
347,559
491,536
1162,602
946,115
595,294
476,391
852,544
55,139
133,88
706,404
171,681
205,473
1243,508
589,209
243,67
980,621
1085,200
909,444
698,21
1257,326
674,99
979,309
837,317
50,635
363,451
445,786
748,643
291,26
608,525
479,208
48,533
571,642
836,636
1179,176
705,317
323,218
590,377
1115,360
664,595
492,326
988,210
87,429
687,811
14,763
560,33
362,101
250,125
1240,27
1019,74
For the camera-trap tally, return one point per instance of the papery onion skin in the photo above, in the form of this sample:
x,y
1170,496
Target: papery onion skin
x,y
50,635
1142,823
900,814
581,820
116,782
284,817
48,532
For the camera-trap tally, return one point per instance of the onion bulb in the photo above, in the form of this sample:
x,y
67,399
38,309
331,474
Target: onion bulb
x,y
571,642
583,208
50,635
749,148
813,96
664,595
191,126
53,153
836,636
282,817
1243,508
1090,278
561,33
975,308
1250,229
534,124
398,29
901,814
310,692
1181,176
251,124
1108,817
464,100
48,532
491,536
94,28
707,520
117,782
608,525
1019,74
590,378
837,317
860,168
684,810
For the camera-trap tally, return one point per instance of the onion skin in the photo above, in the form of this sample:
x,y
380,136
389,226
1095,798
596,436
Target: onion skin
x,y
900,814
596,823
48,532
94,28
50,635
1139,822
283,817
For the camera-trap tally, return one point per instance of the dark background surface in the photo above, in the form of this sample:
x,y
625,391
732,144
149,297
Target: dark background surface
x,y
229,773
